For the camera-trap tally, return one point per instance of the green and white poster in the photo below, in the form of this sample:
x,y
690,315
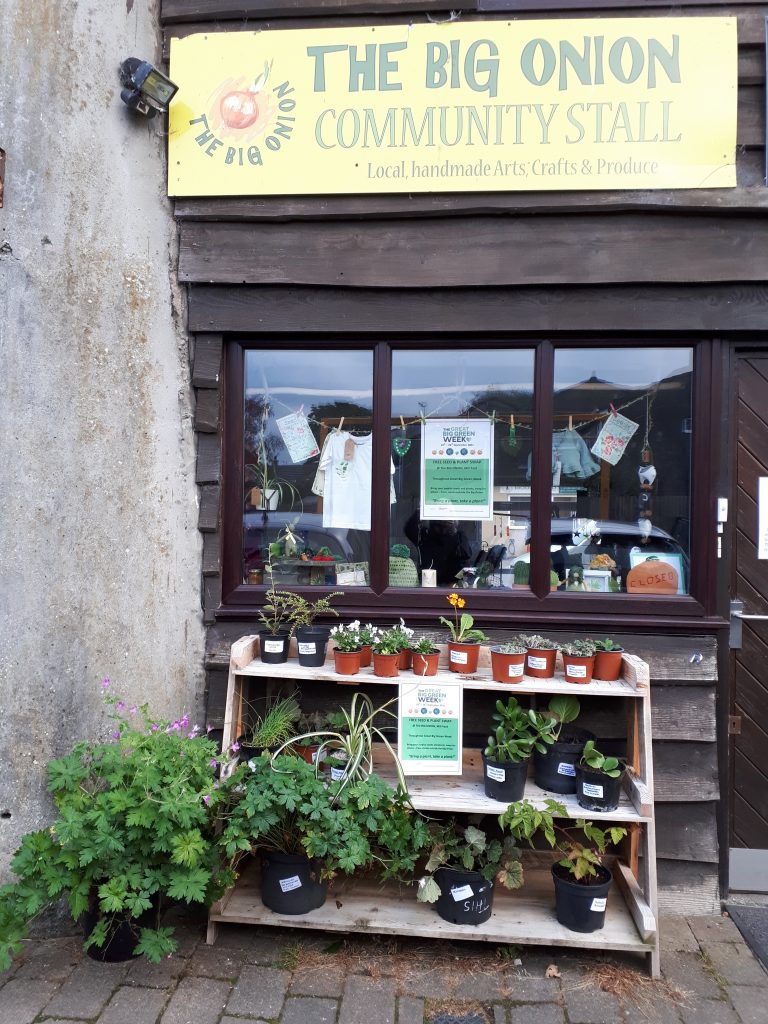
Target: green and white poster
x,y
457,469
429,728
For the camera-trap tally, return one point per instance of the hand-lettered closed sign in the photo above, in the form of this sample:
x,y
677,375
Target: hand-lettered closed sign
x,y
653,576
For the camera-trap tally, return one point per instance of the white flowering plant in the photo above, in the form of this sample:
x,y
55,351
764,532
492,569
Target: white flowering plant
x,y
347,637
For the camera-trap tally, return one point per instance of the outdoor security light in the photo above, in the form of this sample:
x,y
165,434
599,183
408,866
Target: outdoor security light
x,y
145,89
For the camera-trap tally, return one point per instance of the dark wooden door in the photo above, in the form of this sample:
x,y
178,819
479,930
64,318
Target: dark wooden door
x,y
749,662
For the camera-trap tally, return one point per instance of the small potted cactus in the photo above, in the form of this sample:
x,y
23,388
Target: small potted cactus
x,y
508,662
540,656
521,575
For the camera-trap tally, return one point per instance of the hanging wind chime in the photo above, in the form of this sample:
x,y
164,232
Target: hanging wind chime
x,y
647,475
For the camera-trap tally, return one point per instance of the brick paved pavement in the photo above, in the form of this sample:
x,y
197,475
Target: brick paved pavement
x,y
282,977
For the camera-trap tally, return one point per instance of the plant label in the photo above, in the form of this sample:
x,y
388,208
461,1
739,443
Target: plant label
x,y
564,768
308,648
289,884
515,670
497,774
337,774
463,892
576,672
459,657
598,904
589,789
539,663
273,646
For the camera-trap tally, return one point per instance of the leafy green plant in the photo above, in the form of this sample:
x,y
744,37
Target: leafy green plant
x,y
579,648
263,475
607,645
469,849
534,642
402,635
523,821
424,646
276,724
518,733
582,859
302,613
352,742
283,805
598,762
561,710
368,634
136,821
462,631
554,579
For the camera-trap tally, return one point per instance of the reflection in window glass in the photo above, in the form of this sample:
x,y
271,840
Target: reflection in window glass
x,y
301,469
437,391
621,470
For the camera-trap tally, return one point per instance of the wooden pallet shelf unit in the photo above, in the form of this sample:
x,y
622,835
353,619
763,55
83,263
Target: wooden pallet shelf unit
x,y
527,916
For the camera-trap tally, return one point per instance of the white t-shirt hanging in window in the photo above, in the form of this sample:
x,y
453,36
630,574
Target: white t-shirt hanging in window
x,y
347,463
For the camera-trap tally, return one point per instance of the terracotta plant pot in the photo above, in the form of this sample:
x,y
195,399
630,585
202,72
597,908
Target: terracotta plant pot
x,y
425,664
365,656
307,752
347,662
507,668
386,665
607,665
540,663
405,658
463,657
578,670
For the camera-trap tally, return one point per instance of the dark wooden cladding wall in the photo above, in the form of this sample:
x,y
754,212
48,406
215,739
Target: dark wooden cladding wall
x,y
581,249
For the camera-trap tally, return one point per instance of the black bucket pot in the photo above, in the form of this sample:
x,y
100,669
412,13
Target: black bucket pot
x,y
555,771
596,791
581,908
312,642
465,896
123,933
273,647
290,884
504,781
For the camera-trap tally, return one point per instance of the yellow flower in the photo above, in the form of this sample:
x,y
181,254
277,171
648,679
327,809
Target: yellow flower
x,y
453,599
461,602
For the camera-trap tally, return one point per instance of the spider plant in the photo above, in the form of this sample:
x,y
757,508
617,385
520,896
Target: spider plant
x,y
351,741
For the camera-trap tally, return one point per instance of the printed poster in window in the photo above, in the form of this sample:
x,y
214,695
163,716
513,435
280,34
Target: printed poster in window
x,y
457,469
429,728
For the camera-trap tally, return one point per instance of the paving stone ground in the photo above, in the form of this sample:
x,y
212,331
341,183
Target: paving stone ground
x,y
278,976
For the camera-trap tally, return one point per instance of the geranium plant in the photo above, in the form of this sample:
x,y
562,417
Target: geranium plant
x,y
136,822
469,849
462,631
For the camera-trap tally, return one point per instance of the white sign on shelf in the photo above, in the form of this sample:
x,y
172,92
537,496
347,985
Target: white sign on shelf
x,y
429,727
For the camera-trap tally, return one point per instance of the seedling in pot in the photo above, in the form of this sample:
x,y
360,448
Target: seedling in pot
x,y
599,762
607,646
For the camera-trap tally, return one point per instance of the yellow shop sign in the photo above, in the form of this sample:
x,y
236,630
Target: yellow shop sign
x,y
622,103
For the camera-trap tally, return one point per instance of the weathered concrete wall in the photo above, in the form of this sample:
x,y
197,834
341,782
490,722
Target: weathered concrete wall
x,y
99,553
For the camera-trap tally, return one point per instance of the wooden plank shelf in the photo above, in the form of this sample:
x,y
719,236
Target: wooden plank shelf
x,y
527,916
465,793
360,904
480,680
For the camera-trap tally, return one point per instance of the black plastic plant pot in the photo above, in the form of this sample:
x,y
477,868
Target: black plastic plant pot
x,y
122,933
465,896
273,647
312,642
555,771
581,908
290,884
596,791
504,780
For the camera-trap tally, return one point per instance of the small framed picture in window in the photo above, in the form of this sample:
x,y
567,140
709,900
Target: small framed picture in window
x,y
597,581
351,574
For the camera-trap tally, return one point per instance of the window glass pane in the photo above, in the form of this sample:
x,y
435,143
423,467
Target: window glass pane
x,y
447,389
621,512
293,405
